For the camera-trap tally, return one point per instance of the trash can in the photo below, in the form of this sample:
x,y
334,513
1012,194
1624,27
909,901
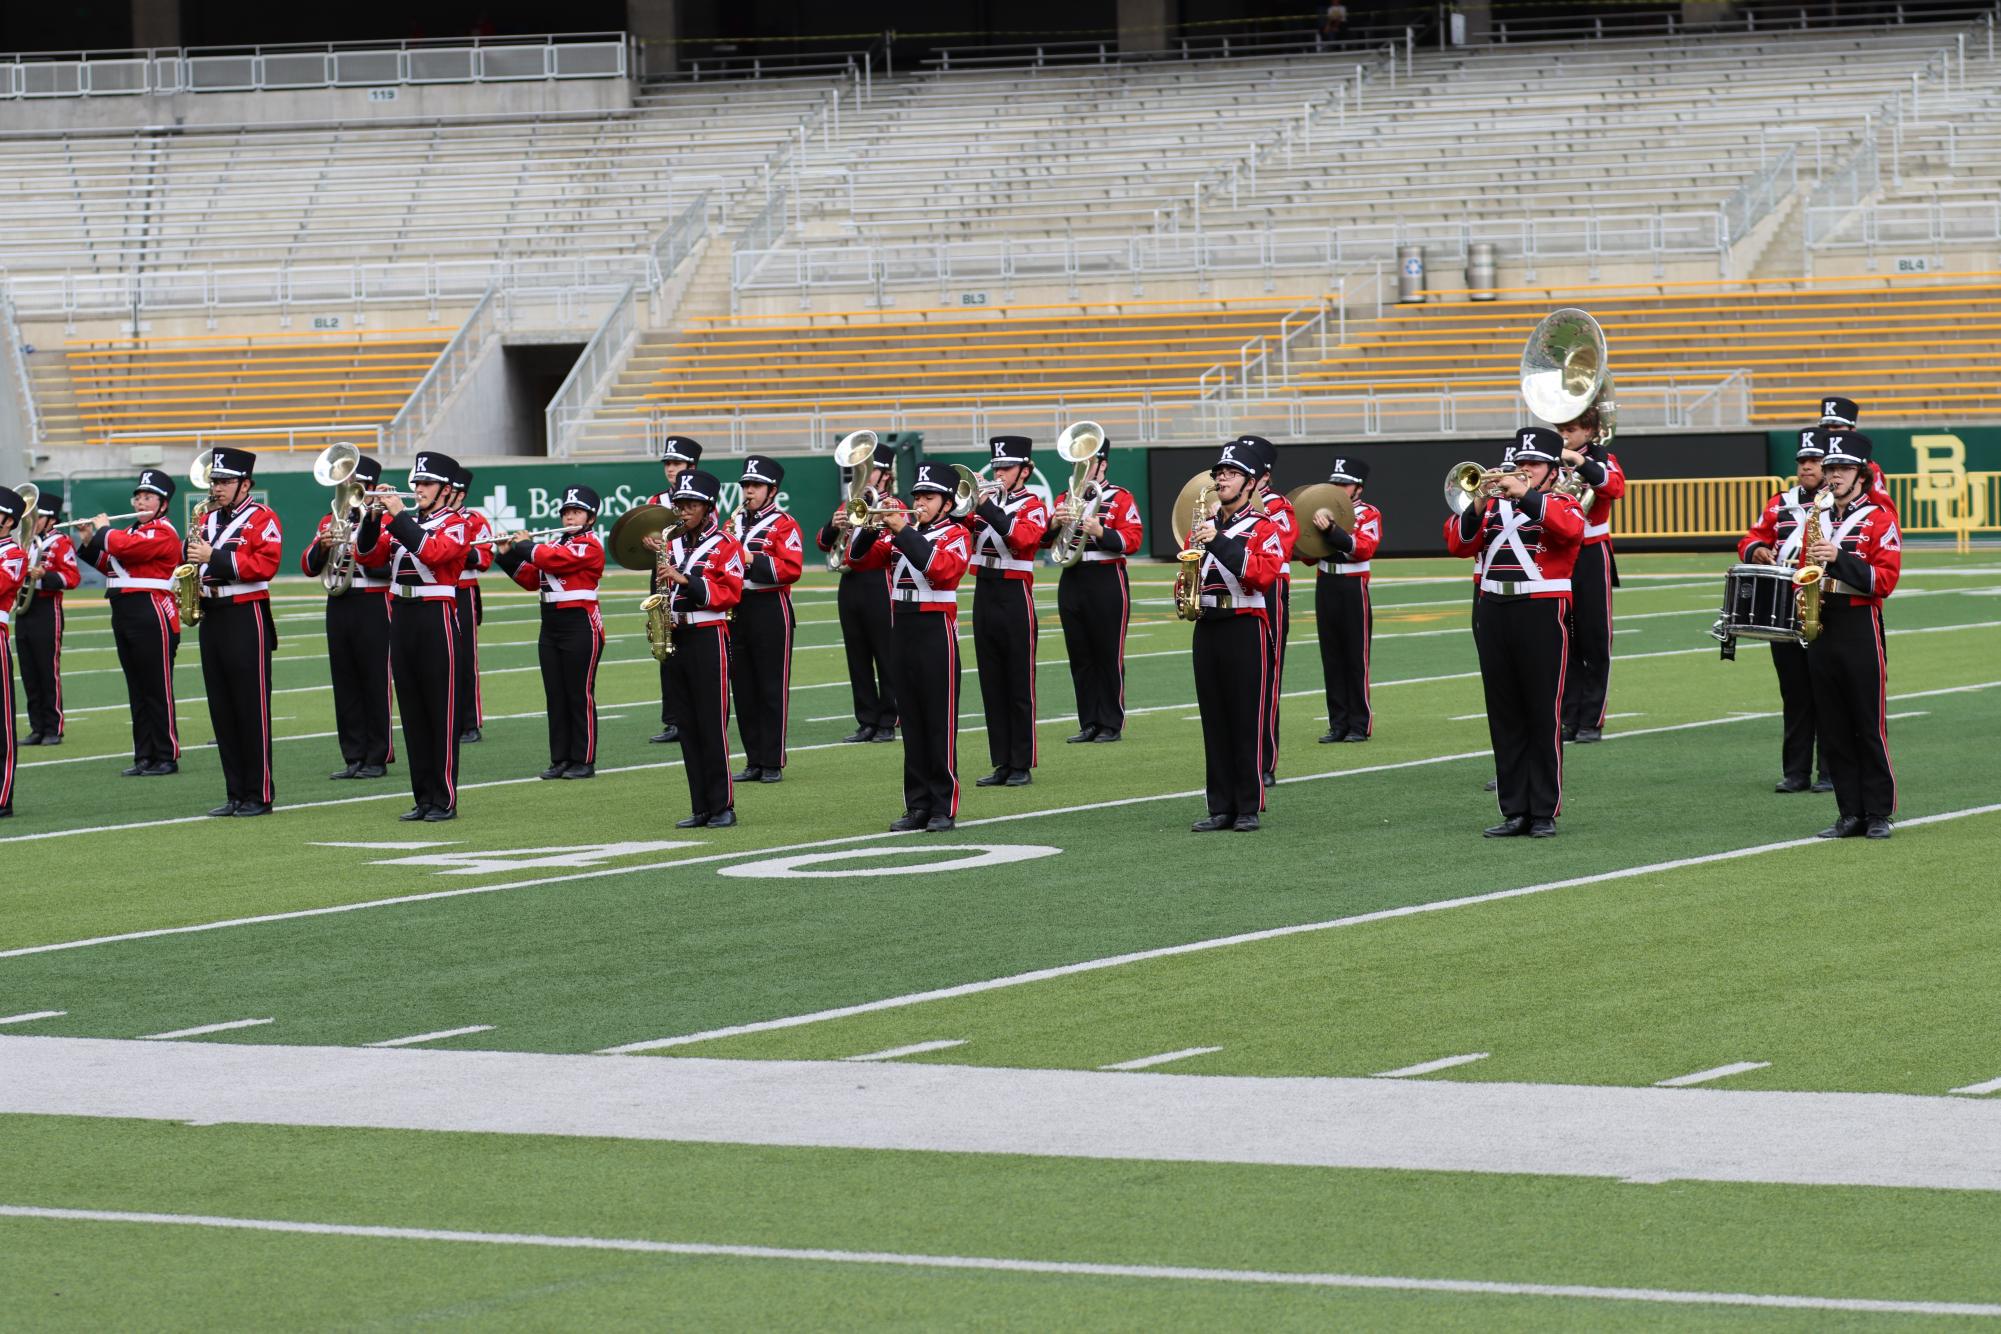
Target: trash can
x,y
1410,273
1480,271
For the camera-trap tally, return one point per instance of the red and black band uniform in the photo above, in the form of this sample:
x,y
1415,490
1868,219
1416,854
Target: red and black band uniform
x,y
697,672
925,564
861,599
1524,551
13,570
1006,533
38,631
1094,604
138,566
564,578
761,637
423,555
1781,529
1846,663
238,638
1232,647
472,611
1588,683
1345,622
1278,607
357,626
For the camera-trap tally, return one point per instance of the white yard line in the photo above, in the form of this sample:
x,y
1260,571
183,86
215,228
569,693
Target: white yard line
x,y
32,1016
1990,1086
1705,1076
1431,1067
1148,1062
434,1037
914,1049
205,1028
1008,1265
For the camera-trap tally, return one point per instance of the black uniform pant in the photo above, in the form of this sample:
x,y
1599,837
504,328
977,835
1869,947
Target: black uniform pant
x,y
1278,606
1524,649
471,611
7,726
1590,675
698,692
143,629
237,641
38,643
1346,623
1005,632
862,601
423,658
1230,676
761,674
927,691
358,657
571,643
1094,603
1796,700
1849,680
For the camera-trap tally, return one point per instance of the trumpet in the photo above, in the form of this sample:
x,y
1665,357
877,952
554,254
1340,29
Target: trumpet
x,y
1468,483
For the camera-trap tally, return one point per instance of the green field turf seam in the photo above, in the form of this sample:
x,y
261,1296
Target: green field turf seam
x,y
1011,1265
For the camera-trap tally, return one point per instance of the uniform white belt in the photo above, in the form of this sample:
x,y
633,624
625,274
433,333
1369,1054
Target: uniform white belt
x,y
1103,555
753,586
1832,585
1224,600
425,591
372,585
1598,529
700,618
987,562
1338,567
6,618
572,595
468,580
126,581
1505,586
911,595
234,590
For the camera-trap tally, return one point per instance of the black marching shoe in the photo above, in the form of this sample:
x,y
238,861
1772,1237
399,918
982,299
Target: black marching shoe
x,y
771,776
1246,824
469,736
372,771
1543,828
1878,827
1019,778
666,736
723,819
1568,732
440,814
1587,735
134,771
695,821
417,812
52,738
884,734
1492,785
1824,785
227,808
581,771
159,769
353,770
7,811
994,779
1089,733
909,822
250,808
751,773
860,734
938,824
1106,735
1848,826
32,739
1792,785
1356,736
1512,827
1269,776
556,770
1213,824
1328,738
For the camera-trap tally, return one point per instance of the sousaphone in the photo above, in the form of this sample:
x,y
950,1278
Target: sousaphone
x,y
1565,374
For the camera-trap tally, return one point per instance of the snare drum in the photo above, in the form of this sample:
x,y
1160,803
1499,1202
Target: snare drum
x,y
1758,603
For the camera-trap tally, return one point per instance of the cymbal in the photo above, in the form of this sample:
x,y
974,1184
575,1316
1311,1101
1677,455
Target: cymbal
x,y
628,531
1307,500
1183,512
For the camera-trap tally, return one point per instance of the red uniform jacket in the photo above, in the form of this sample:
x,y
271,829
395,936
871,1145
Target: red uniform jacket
x,y
1522,548
1872,553
1284,521
424,554
1119,512
140,560
1006,532
565,574
13,570
1241,564
56,554
479,545
713,563
1598,523
773,550
1362,544
925,561
247,542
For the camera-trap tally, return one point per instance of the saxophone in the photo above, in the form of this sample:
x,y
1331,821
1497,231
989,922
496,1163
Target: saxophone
x,y
1807,577
187,575
1188,578
659,606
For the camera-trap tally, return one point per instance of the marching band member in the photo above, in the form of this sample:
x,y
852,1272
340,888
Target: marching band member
x,y
1278,601
1007,527
703,566
564,575
862,599
357,625
677,456
1586,684
423,551
1241,553
761,664
480,539
1523,538
1345,621
38,633
926,551
1775,540
236,544
1861,556
1094,605
13,570
138,564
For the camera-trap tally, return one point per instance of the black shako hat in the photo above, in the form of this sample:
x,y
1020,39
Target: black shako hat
x,y
758,468
367,469
1836,411
578,497
1851,447
682,448
441,468
50,503
937,477
1813,443
695,484
1352,471
155,481
1011,449
1534,444
230,464
1243,456
11,503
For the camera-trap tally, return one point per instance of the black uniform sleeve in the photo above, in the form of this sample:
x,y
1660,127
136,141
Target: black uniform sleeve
x,y
1470,520
1592,468
407,530
222,567
759,568
369,532
53,582
91,550
694,593
1228,551
1531,504
913,546
828,535
995,516
1339,538
510,559
865,538
1109,540
1852,570
316,556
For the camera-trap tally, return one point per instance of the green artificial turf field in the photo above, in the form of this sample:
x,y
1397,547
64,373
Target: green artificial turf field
x,y
1683,924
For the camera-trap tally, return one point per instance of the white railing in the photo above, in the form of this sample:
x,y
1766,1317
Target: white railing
x,y
1930,225
1758,195
17,357
1843,191
600,360
315,437
328,65
427,401
679,239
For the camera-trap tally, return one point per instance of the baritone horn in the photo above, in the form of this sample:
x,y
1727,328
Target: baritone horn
x,y
1078,446
31,501
335,467
856,454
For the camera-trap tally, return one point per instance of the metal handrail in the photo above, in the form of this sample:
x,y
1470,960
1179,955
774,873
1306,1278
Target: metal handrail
x,y
17,354
420,411
678,239
312,436
600,358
